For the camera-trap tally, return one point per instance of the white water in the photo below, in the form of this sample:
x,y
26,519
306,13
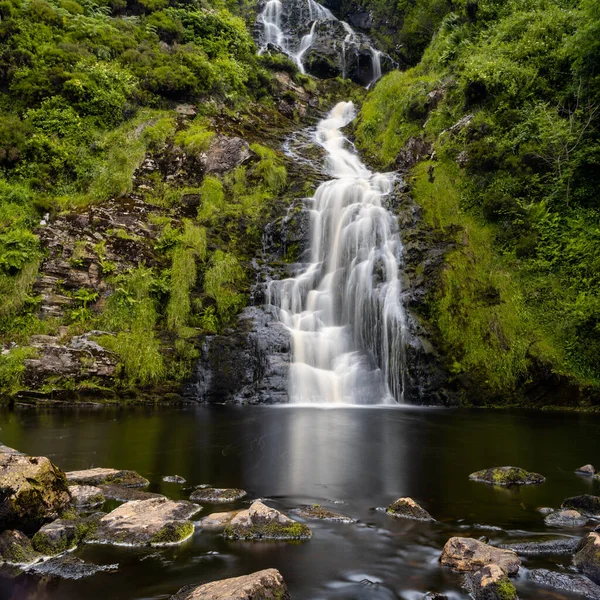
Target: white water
x,y
344,311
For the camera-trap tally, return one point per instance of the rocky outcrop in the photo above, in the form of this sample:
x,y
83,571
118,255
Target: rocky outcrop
x,y
490,583
153,522
226,153
262,585
576,584
507,476
70,567
466,554
16,548
415,150
218,521
99,476
587,559
212,495
86,495
32,491
556,547
407,508
586,504
565,518
261,522
318,512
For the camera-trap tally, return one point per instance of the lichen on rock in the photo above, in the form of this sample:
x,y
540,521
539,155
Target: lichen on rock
x,y
407,508
99,476
16,548
324,514
212,495
507,476
490,583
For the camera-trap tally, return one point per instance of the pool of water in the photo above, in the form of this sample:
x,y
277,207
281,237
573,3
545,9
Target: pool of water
x,y
350,460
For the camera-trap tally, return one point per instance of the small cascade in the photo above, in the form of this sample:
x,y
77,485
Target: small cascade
x,y
343,310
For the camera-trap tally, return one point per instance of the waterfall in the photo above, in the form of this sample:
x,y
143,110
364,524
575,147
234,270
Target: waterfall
x,y
344,310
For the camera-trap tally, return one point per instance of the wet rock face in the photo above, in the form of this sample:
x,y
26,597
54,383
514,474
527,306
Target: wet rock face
x,y
16,548
577,584
260,522
70,567
153,522
32,491
587,559
586,470
490,583
585,504
99,476
226,153
126,494
558,547
466,554
407,508
86,495
507,476
566,518
262,585
217,495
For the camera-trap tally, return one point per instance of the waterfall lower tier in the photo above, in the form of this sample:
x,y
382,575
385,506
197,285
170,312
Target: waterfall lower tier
x,y
344,310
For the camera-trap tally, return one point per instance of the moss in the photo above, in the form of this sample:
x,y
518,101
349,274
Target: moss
x,y
507,476
268,531
505,590
16,548
173,533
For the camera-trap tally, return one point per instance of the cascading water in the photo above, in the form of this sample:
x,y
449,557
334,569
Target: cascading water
x,y
344,311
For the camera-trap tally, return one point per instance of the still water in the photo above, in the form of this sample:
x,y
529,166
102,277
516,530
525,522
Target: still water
x,y
350,460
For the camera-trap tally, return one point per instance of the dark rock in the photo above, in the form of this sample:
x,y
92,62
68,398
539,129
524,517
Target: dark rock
x,y
490,583
558,547
407,508
566,518
70,567
587,559
86,495
415,150
318,512
127,494
586,470
260,522
16,548
466,554
577,584
507,476
32,491
226,154
99,475
212,495
361,19
586,504
262,585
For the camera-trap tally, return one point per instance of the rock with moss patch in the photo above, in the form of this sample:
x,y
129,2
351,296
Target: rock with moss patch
x,y
84,496
64,534
32,491
407,508
99,476
490,583
152,522
127,494
576,584
467,554
507,476
212,495
261,522
587,559
586,470
318,512
70,567
586,504
16,548
566,517
262,585
218,521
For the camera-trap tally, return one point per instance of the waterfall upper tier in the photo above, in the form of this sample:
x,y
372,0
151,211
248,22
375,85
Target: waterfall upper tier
x,y
343,310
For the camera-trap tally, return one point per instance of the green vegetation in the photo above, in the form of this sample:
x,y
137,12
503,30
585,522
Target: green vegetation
x,y
173,533
508,94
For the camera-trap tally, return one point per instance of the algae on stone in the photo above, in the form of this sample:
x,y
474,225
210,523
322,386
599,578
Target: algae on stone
x,y
507,476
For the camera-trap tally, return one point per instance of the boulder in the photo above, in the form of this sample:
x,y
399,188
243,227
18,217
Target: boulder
x,y
64,534
32,491
16,548
586,470
318,512
587,559
68,566
212,495
218,521
226,153
407,508
99,476
467,554
507,476
153,522
126,494
555,547
566,518
86,495
173,479
262,585
586,504
490,583
576,584
260,522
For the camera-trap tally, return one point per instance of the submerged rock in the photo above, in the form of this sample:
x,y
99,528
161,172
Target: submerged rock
x,y
212,495
86,495
490,583
507,476
561,546
566,518
262,585
467,554
407,508
99,476
32,491
577,584
174,479
585,504
16,548
587,559
318,512
218,521
586,470
153,522
261,522
126,494
70,567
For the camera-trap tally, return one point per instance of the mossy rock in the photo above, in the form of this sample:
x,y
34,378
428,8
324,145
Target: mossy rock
x,y
407,508
174,532
100,476
490,583
585,504
16,548
212,495
318,512
63,534
507,476
587,559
